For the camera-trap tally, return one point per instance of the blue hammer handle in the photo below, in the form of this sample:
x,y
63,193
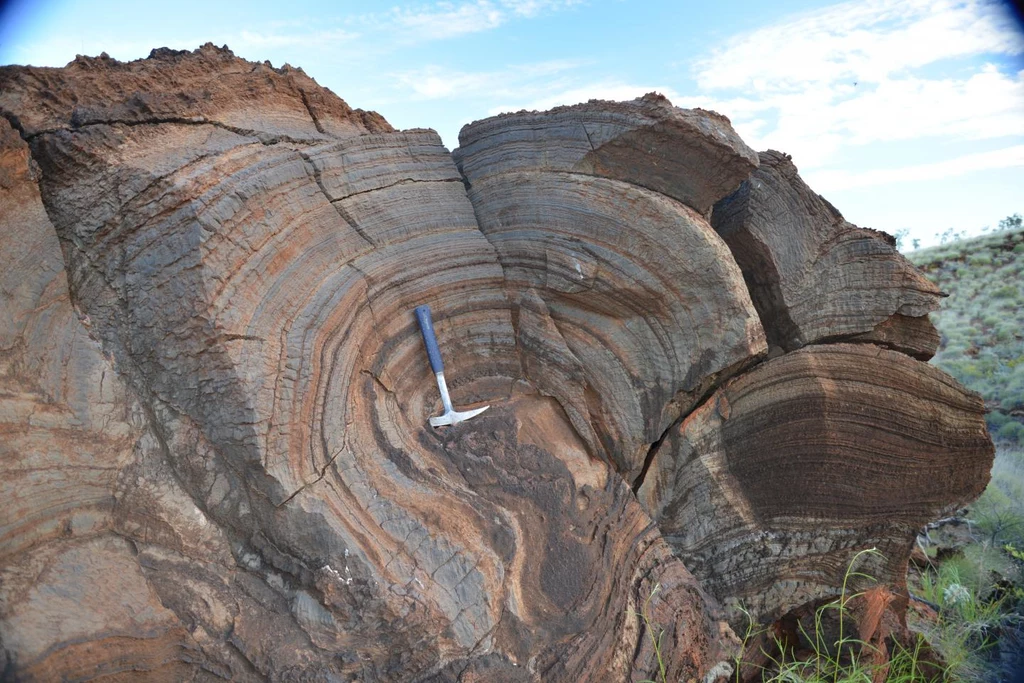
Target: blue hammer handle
x,y
427,329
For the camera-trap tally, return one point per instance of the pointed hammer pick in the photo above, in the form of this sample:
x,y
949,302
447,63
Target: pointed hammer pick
x,y
450,416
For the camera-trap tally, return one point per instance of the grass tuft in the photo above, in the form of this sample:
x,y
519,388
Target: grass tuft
x,y
645,616
837,655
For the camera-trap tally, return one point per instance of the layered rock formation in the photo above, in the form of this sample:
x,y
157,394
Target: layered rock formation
x,y
815,277
213,394
615,277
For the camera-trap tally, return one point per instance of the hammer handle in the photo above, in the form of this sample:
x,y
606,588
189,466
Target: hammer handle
x,y
427,329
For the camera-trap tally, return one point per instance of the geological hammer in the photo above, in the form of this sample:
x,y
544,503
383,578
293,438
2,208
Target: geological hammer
x,y
450,416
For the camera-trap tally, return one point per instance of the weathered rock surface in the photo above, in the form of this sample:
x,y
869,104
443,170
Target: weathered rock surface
x,y
765,489
73,597
618,318
213,395
815,277
208,86
693,156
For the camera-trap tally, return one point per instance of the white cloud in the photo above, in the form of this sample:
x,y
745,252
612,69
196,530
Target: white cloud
x,y
448,19
835,180
987,104
522,80
859,41
860,73
531,8
813,126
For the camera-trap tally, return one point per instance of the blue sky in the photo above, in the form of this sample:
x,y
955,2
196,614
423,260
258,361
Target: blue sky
x,y
905,114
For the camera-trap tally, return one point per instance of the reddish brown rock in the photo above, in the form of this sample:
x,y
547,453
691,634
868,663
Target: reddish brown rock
x,y
768,489
691,155
815,277
209,86
627,301
287,507
213,394
74,601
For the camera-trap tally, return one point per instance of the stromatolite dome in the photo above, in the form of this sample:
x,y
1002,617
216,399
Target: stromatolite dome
x,y
214,394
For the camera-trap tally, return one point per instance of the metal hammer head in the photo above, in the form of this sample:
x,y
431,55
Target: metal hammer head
x,y
453,417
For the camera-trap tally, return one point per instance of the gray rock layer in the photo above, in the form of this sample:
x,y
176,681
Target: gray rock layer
x,y
213,393
815,277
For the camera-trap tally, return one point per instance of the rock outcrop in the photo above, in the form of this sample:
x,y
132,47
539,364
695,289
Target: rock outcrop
x,y
768,485
213,394
815,277
615,285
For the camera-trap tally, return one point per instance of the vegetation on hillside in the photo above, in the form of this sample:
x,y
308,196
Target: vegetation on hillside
x,y
971,580
982,321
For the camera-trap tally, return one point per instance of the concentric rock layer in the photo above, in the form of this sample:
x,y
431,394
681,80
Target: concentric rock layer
x,y
815,277
214,397
616,288
768,486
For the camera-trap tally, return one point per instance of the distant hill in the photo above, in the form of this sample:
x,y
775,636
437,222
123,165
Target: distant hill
x,y
982,321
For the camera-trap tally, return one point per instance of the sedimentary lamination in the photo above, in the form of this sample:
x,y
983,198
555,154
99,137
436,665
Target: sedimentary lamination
x,y
213,395
618,320
816,277
767,487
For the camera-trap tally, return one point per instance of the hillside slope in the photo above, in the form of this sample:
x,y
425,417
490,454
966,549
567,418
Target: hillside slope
x,y
982,321
981,324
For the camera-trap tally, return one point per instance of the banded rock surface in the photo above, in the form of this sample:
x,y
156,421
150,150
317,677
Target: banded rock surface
x,y
769,484
616,287
214,395
815,277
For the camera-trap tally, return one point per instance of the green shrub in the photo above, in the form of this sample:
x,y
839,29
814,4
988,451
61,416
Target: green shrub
x,y
1012,431
996,419
998,515
1004,335
981,325
1006,292
837,656
971,613
644,615
1013,393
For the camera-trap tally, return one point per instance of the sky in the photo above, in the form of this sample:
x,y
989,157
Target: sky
x,y
905,114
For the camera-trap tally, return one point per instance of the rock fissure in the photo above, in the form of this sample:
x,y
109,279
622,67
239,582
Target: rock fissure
x,y
193,335
323,473
397,183
315,172
268,139
312,114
